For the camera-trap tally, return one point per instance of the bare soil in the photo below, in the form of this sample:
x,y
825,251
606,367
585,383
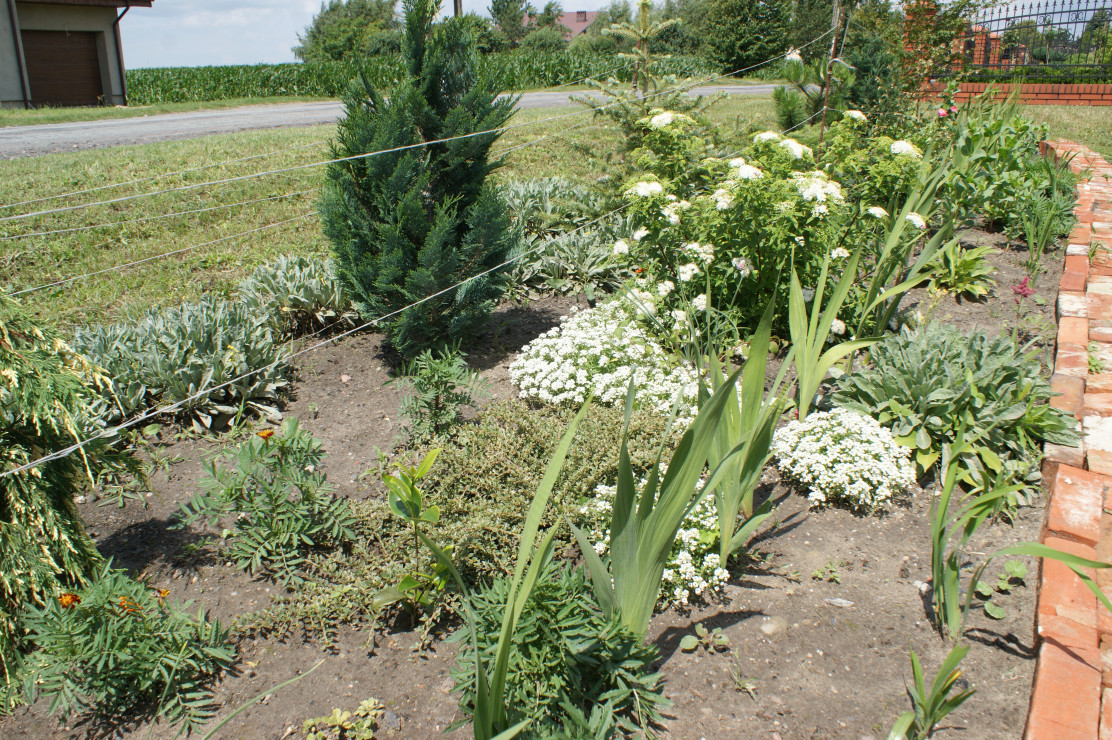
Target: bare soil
x,y
808,657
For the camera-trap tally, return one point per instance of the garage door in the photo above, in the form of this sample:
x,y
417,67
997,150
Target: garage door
x,y
63,68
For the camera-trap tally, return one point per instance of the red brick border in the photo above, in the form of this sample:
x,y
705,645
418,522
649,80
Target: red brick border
x,y
1072,693
1040,94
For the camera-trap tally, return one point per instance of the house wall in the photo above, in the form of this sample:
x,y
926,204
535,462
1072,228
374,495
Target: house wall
x,y
11,87
40,17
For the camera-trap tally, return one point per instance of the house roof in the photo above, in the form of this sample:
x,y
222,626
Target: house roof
x,y
98,3
577,20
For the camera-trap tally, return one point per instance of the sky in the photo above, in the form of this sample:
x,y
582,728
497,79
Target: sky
x,y
187,33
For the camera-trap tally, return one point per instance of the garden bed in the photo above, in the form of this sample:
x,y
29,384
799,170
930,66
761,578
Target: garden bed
x,y
802,661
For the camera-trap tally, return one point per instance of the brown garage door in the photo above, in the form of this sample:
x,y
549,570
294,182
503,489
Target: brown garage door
x,y
62,67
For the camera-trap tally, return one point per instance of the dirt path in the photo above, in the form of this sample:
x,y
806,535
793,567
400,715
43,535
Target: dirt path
x,y
32,141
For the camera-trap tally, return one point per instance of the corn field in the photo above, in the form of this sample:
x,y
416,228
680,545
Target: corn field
x,y
516,70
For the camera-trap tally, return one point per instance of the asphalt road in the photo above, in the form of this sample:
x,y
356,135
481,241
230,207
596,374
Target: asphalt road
x,y
31,141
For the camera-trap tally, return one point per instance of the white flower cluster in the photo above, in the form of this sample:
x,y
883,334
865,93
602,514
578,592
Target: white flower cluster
x,y
797,150
766,136
877,212
916,220
843,457
660,120
599,350
906,148
818,187
856,115
646,189
693,570
704,252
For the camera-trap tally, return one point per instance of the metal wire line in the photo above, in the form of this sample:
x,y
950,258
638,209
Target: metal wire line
x,y
498,130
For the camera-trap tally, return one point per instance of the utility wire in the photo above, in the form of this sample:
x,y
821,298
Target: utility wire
x,y
114,268
394,150
156,218
113,431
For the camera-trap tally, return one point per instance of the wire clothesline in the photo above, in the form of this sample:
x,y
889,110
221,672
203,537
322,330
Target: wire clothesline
x,y
393,150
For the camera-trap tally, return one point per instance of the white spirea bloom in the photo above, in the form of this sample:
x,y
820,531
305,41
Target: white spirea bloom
x,y
800,241
640,234
700,302
660,120
840,253
819,211
766,136
621,247
816,186
797,150
663,289
843,457
793,55
723,199
742,265
599,350
917,220
856,115
688,271
906,148
877,212
808,294
692,571
749,172
646,189
680,318
838,327
737,162
671,212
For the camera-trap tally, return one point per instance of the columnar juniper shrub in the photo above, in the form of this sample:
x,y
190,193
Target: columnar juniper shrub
x,y
409,224
842,457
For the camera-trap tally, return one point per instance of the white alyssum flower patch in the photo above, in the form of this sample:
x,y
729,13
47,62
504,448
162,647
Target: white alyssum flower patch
x,y
693,570
599,350
843,457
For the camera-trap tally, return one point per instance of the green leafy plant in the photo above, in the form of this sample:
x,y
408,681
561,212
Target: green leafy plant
x,y
1044,218
414,223
644,522
950,535
829,572
115,648
171,355
711,641
359,724
281,502
1092,352
49,399
417,587
962,272
565,653
931,705
439,384
304,291
925,384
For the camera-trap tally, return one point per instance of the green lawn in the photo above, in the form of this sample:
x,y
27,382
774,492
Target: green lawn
x,y
21,117
1091,126
582,153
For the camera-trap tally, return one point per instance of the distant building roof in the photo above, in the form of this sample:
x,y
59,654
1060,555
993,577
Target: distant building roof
x,y
577,21
97,3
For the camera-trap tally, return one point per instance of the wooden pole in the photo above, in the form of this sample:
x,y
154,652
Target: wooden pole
x,y
835,22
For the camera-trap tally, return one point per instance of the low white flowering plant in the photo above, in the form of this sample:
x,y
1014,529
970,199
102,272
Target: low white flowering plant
x,y
693,571
598,350
845,458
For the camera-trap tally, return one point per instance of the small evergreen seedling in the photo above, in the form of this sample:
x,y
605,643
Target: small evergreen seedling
x,y
439,385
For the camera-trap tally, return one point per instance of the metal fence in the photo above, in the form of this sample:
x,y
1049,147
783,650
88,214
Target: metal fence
x,y
1050,41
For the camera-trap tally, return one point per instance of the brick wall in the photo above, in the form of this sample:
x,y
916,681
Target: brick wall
x,y
1039,94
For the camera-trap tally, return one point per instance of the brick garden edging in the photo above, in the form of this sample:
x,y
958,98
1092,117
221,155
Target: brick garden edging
x,y
1035,94
1072,692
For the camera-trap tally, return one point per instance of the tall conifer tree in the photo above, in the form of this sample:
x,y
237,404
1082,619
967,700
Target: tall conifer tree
x,y
411,223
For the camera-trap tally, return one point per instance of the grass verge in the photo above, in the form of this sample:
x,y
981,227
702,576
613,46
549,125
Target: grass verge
x,y
1091,126
584,153
21,117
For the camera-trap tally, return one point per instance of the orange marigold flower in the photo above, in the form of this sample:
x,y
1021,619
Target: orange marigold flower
x,y
128,605
266,433
68,601
163,593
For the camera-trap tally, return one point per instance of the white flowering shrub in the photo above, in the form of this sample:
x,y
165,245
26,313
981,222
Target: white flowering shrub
x,y
693,571
842,457
598,350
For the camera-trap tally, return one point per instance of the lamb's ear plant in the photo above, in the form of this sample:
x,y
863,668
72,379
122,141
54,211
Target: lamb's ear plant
x,y
489,720
950,533
809,333
931,707
644,523
747,425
